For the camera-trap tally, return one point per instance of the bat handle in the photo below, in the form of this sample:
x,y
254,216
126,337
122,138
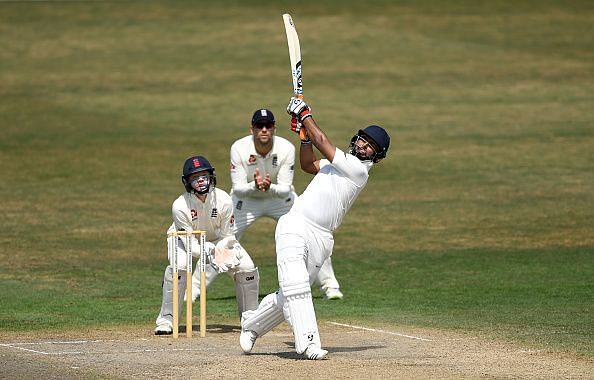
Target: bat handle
x,y
302,132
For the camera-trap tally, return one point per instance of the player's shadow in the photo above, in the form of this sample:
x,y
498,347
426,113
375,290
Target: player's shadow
x,y
213,329
317,297
231,298
296,356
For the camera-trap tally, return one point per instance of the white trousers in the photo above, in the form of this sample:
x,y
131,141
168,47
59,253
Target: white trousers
x,y
248,210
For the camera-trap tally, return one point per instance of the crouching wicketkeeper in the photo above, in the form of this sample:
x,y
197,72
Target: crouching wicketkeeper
x,y
205,207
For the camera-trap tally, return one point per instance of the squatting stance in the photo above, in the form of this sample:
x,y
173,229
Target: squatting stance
x,y
304,235
205,207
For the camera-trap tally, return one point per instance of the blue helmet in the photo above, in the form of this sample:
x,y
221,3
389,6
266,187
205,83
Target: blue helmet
x,y
377,137
197,164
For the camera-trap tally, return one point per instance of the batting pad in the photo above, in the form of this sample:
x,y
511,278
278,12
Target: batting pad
x,y
302,318
293,277
247,286
298,306
268,315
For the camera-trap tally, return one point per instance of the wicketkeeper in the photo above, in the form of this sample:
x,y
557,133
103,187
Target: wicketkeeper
x,y
205,207
304,236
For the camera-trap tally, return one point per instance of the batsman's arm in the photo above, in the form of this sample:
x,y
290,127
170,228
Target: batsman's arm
x,y
307,159
319,140
302,119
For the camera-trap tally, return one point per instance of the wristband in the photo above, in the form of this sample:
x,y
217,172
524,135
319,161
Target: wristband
x,y
304,115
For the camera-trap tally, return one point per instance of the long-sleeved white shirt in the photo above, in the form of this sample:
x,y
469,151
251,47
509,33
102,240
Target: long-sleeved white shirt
x,y
214,216
279,163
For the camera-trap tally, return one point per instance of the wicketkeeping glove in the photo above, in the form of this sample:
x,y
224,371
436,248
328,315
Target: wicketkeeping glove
x,y
226,256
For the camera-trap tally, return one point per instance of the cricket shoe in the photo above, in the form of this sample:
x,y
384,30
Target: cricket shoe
x,y
333,294
164,329
247,339
315,353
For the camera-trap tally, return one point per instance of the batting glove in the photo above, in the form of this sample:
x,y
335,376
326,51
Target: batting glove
x,y
299,108
297,127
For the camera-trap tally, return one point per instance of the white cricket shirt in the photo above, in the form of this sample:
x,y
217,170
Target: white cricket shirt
x,y
215,215
279,163
333,190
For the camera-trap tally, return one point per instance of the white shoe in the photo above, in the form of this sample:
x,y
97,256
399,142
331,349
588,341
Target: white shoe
x,y
247,339
164,329
333,294
315,353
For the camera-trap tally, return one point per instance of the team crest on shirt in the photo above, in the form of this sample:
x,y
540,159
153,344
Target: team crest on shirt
x,y
252,159
274,160
194,214
214,213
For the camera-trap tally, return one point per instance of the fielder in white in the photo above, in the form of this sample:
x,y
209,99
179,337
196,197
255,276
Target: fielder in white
x,y
262,170
205,207
304,236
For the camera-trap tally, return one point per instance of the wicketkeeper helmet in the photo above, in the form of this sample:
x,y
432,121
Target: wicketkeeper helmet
x,y
197,164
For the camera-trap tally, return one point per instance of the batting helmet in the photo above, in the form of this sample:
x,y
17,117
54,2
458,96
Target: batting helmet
x,y
377,137
197,164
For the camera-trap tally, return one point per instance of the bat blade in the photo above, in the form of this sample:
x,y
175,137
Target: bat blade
x,y
294,55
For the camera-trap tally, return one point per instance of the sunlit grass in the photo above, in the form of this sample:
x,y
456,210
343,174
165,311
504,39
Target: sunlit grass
x,y
480,217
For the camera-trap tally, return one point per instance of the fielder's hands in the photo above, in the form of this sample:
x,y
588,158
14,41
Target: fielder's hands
x,y
262,184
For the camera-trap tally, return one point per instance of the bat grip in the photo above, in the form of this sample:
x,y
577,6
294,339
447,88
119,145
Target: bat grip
x,y
303,134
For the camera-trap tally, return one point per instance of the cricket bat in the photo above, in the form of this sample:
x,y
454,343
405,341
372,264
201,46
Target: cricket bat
x,y
295,57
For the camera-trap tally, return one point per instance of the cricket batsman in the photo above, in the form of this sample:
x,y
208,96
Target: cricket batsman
x,y
304,236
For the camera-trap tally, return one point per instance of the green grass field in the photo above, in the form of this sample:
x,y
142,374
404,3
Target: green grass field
x,y
480,219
